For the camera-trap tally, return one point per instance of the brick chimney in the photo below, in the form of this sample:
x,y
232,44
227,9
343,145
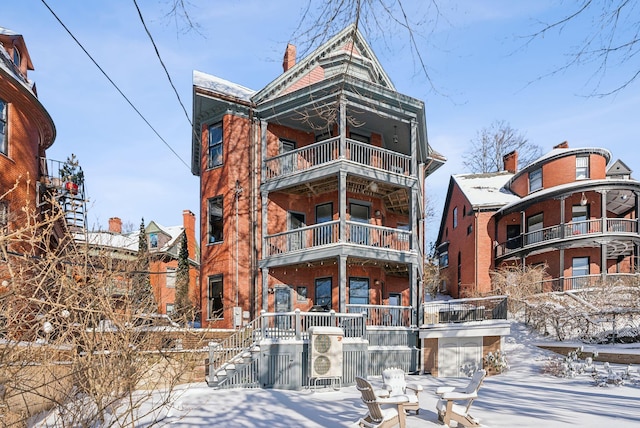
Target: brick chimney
x,y
189,224
289,59
510,161
563,145
115,225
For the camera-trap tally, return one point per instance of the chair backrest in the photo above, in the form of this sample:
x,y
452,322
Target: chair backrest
x,y
394,380
369,398
476,381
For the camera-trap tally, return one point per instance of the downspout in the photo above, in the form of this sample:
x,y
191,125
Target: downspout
x,y
252,215
238,191
475,240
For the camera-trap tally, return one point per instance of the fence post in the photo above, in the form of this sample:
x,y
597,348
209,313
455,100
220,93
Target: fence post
x,y
334,320
298,325
263,324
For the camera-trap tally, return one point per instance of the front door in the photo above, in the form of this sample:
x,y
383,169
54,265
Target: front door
x,y
283,304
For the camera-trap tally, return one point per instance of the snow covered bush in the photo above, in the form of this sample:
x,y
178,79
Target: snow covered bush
x,y
496,362
576,363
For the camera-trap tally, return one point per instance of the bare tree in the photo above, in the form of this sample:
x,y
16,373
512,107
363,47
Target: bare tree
x,y
73,352
491,144
612,42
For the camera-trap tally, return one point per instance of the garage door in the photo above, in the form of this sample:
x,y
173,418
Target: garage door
x,y
458,356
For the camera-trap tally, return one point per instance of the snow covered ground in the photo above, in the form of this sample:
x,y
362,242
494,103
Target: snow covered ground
x,y
523,397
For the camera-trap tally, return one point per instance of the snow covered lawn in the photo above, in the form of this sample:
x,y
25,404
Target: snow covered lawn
x,y
523,396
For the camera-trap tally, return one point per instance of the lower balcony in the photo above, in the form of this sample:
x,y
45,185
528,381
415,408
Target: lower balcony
x,y
581,282
564,233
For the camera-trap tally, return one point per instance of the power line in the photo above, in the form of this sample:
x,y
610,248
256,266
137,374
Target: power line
x,y
114,85
162,63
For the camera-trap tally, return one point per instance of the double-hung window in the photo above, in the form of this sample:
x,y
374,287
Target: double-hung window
x,y
215,145
535,180
359,291
582,167
3,127
216,300
171,277
216,222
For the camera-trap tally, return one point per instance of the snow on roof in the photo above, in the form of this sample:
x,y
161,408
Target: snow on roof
x,y
485,190
557,152
7,32
113,240
221,86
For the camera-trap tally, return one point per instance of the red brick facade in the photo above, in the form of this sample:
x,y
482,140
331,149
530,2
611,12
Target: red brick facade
x,y
302,152
580,221
27,131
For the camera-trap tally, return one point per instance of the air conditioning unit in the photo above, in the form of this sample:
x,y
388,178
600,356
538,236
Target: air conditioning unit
x,y
325,352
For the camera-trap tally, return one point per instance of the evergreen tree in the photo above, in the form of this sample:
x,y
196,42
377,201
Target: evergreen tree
x,y
184,309
143,299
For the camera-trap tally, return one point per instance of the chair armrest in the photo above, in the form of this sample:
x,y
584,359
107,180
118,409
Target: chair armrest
x,y
382,393
394,399
414,387
453,396
442,389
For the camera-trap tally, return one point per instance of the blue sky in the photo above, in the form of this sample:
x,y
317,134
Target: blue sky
x,y
481,68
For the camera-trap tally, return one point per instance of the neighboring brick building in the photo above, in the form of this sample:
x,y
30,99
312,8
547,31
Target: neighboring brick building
x,y
570,210
26,132
311,188
164,248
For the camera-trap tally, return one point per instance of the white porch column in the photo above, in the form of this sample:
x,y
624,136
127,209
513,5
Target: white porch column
x,y
342,284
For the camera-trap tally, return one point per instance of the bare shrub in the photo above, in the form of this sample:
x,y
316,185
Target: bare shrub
x,y
72,341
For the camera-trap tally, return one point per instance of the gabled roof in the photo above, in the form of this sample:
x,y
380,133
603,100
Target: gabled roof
x,y
483,191
347,44
618,168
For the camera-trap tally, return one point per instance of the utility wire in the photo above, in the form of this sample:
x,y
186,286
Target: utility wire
x,y
115,86
162,63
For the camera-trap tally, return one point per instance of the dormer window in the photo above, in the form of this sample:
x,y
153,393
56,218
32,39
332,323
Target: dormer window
x,y
535,180
16,56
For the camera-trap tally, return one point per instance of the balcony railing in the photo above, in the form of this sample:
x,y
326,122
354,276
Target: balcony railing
x,y
465,310
329,233
327,151
383,315
579,282
565,231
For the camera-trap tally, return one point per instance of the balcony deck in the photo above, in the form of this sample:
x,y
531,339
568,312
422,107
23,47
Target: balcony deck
x,y
565,233
328,151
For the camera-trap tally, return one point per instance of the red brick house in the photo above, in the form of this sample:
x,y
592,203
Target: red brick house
x,y
26,132
311,188
164,248
571,210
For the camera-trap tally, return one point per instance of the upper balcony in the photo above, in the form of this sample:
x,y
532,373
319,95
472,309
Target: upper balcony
x,y
328,151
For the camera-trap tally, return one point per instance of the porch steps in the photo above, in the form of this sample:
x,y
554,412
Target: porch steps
x,y
225,375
